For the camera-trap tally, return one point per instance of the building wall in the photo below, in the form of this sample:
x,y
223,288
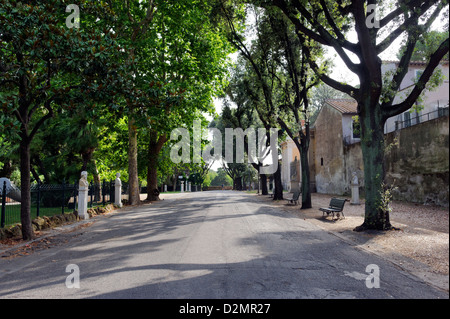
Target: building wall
x,y
328,152
417,164
438,97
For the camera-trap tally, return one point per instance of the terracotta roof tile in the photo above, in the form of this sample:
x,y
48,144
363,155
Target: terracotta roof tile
x,y
345,106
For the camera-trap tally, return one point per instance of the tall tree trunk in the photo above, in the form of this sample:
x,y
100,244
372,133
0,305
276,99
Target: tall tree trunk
x,y
25,184
237,183
264,190
133,179
278,194
152,174
86,157
154,148
372,146
306,178
97,181
175,179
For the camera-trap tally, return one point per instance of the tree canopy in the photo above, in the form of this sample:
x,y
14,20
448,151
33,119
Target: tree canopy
x,y
83,92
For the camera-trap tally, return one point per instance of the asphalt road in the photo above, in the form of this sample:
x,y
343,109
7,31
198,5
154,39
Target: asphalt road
x,y
206,245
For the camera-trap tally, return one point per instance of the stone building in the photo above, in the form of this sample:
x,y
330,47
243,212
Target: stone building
x,y
417,163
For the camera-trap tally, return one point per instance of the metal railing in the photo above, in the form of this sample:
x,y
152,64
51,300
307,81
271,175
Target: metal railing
x,y
52,199
416,119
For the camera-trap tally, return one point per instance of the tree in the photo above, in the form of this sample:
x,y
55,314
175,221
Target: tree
x,y
199,69
44,68
295,80
177,62
327,23
425,46
209,178
260,89
131,22
222,178
234,169
280,67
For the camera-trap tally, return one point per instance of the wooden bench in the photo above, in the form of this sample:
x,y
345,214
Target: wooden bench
x,y
336,207
294,199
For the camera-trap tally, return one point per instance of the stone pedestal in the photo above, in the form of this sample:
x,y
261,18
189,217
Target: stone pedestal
x,y
355,190
82,202
295,186
83,189
165,188
118,191
182,186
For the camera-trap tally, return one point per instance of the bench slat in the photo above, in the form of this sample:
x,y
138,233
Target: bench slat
x,y
336,206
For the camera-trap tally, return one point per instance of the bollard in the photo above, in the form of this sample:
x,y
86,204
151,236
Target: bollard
x,y
83,188
118,191
355,190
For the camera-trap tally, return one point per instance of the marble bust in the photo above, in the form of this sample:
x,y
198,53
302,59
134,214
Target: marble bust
x,y
83,180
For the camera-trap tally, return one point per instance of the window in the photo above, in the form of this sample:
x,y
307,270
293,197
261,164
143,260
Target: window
x,y
407,119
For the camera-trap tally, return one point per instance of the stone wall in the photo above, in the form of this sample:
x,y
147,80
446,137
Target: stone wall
x,y
419,164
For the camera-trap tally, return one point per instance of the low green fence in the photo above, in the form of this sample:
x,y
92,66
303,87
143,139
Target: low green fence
x,y
52,199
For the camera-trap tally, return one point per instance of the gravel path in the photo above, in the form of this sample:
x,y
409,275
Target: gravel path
x,y
421,246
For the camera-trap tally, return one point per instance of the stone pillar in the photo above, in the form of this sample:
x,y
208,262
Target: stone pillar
x,y
118,191
189,187
165,188
355,190
83,189
182,186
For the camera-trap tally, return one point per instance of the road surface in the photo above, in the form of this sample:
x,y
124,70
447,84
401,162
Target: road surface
x,y
206,245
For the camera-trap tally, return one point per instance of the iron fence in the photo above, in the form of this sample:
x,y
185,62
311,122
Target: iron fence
x,y
52,199
416,118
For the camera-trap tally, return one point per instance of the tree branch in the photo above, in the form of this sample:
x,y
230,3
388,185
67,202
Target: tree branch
x,y
289,132
401,71
42,119
412,20
395,13
367,42
435,59
323,36
350,90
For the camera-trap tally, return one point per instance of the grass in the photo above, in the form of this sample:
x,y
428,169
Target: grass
x,y
12,212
